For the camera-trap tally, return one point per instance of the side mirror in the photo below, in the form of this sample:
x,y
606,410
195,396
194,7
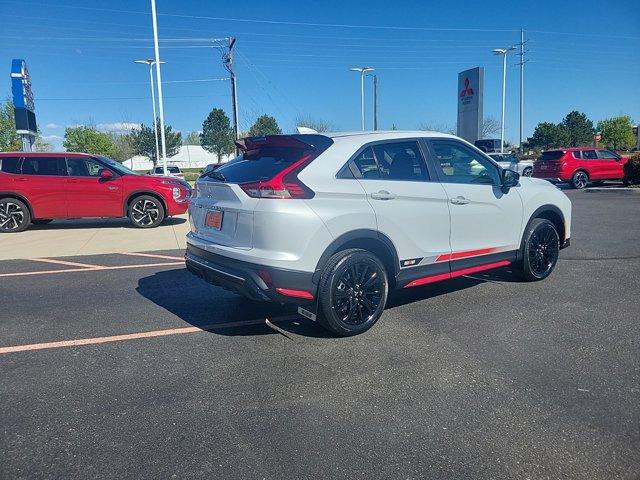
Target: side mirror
x,y
105,174
509,179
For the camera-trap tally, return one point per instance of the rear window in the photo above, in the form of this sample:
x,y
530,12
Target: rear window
x,y
552,155
265,157
9,164
173,169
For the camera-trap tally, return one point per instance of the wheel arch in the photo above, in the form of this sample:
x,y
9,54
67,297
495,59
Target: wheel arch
x,y
139,193
548,212
372,241
18,197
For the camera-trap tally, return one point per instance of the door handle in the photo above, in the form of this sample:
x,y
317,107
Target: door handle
x,y
459,200
383,195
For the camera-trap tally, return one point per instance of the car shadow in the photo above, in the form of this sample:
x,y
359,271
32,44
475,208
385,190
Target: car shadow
x,y
100,223
224,313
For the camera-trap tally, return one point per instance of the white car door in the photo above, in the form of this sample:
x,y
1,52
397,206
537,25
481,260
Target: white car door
x,y
411,208
486,220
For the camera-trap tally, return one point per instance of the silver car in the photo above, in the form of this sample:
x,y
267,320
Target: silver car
x,y
511,162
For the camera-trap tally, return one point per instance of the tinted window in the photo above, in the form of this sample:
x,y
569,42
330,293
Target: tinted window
x,y
9,164
258,164
173,169
577,154
365,164
552,155
83,167
460,164
589,154
401,161
158,170
42,166
607,155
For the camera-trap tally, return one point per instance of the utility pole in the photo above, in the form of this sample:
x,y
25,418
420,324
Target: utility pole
x,y
375,102
151,62
362,71
521,64
228,64
156,48
503,52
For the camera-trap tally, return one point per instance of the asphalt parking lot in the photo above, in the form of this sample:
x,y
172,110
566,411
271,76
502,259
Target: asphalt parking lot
x,y
159,375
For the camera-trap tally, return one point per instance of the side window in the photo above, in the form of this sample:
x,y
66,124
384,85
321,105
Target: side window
x,y
460,164
10,164
577,154
607,155
589,155
83,167
42,166
365,164
401,161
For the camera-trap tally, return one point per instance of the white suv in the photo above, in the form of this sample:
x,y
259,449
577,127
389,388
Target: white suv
x,y
333,222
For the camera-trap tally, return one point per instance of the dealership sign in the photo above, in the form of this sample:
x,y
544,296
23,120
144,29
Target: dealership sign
x,y
22,98
469,95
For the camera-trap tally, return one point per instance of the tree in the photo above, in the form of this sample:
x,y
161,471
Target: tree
x,y
316,124
143,141
192,139
548,135
490,126
579,129
123,147
41,145
9,139
87,140
617,132
264,125
217,135
437,127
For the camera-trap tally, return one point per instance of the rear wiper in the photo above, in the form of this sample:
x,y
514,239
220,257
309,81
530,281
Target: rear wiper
x,y
216,175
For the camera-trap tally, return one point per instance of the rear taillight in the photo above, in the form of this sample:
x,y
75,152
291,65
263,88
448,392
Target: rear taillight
x,y
285,184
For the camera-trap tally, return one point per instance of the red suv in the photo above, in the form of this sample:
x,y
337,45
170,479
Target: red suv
x,y
38,187
579,166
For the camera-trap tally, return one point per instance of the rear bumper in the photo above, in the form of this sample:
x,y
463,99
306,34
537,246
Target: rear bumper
x,y
549,179
256,282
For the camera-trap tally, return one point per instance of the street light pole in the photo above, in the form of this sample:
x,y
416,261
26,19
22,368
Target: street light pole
x,y
157,62
503,52
151,62
362,71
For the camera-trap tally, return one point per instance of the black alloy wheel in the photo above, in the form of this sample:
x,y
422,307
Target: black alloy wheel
x,y
541,250
353,292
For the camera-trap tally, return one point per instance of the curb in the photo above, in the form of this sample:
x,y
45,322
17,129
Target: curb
x,y
612,190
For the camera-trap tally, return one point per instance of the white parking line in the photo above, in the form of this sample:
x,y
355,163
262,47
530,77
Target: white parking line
x,y
64,262
152,255
92,269
138,335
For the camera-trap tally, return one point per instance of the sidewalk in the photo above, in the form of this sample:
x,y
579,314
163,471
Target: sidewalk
x,y
92,236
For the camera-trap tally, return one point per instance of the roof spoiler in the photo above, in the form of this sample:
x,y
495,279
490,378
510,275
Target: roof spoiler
x,y
303,142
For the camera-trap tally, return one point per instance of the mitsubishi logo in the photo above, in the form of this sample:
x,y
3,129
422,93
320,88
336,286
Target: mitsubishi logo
x,y
467,91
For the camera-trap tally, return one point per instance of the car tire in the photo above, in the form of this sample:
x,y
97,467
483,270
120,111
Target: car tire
x,y
14,215
579,179
527,172
540,250
41,221
146,211
352,293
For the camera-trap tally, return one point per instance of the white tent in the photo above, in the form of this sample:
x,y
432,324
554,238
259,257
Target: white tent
x,y
189,156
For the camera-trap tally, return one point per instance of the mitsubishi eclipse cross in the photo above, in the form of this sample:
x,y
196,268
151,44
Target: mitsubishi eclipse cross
x,y
333,222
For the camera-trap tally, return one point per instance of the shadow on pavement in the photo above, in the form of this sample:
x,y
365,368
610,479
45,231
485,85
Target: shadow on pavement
x,y
205,306
100,223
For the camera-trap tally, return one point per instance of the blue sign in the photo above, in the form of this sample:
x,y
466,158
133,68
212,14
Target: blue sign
x,y
22,97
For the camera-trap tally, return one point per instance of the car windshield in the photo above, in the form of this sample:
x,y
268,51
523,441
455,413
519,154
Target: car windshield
x,y
117,166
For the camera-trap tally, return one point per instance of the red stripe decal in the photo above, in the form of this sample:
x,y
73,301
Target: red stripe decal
x,y
457,273
295,293
465,254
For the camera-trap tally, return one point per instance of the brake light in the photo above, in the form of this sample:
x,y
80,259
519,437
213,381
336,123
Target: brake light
x,y
284,184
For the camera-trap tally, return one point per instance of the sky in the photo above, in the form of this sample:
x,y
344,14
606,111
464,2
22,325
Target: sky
x,y
293,58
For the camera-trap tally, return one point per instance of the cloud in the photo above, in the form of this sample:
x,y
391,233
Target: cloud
x,y
53,126
117,127
52,137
